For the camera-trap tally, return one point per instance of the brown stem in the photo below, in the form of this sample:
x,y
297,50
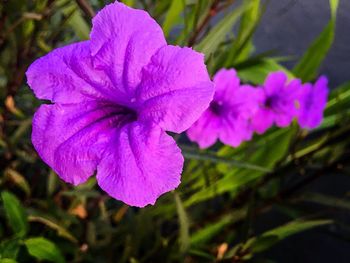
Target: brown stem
x,y
212,12
86,8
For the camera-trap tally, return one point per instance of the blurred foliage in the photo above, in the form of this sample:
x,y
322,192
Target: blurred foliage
x,y
213,215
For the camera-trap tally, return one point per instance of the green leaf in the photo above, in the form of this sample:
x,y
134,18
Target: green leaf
x,y
210,230
242,46
308,66
43,249
257,73
9,248
7,260
218,33
216,159
176,7
184,237
267,151
339,99
15,214
76,20
270,238
327,200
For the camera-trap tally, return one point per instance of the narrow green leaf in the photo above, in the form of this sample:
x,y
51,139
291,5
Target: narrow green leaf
x,y
307,68
218,33
76,21
43,249
15,214
184,237
327,200
295,227
269,149
210,230
242,46
257,73
270,238
339,100
176,7
216,159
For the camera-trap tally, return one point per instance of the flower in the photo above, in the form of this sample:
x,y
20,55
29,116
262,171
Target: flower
x,y
278,102
114,96
227,117
313,100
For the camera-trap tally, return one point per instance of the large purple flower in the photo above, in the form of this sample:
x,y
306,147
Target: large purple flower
x,y
228,116
114,97
313,100
278,103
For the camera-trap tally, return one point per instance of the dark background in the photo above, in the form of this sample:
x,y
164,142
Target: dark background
x,y
290,26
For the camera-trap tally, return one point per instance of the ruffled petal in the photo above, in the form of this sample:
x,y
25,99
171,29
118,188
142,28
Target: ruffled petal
x,y
66,75
123,41
262,120
274,82
235,130
226,83
71,137
141,164
175,88
312,103
205,131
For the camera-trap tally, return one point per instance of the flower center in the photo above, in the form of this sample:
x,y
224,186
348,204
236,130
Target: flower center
x,y
216,107
120,115
270,102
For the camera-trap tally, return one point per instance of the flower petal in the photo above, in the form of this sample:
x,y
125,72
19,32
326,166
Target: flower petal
x,y
71,137
226,83
123,41
141,164
66,75
175,88
274,82
234,131
312,103
205,131
262,120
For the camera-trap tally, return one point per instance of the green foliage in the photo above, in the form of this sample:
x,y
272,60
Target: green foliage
x,y
15,214
219,33
175,10
312,59
43,249
263,242
224,191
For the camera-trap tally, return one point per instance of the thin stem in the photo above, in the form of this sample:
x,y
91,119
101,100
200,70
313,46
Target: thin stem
x,y
86,8
215,159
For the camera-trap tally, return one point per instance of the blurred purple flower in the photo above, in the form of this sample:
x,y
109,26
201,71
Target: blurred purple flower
x,y
313,100
114,97
227,117
278,102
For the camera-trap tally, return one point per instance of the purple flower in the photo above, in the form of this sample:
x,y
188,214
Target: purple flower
x,y
278,102
227,117
114,97
313,100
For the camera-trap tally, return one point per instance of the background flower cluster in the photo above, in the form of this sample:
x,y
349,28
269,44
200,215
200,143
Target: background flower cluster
x,y
237,111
